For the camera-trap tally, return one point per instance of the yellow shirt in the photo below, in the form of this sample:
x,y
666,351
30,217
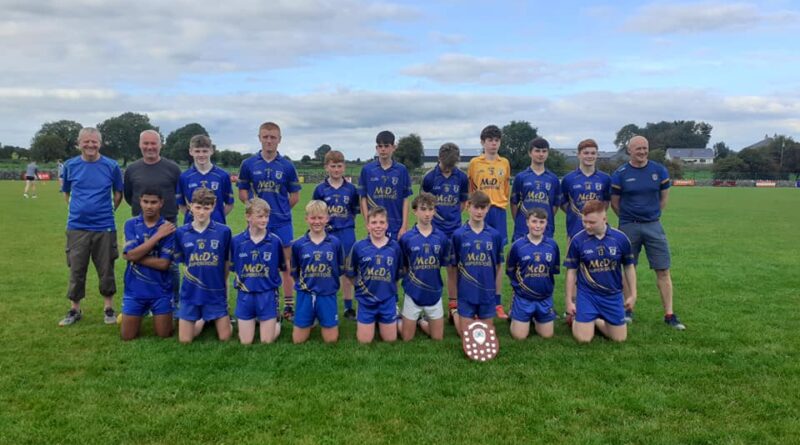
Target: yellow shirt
x,y
492,178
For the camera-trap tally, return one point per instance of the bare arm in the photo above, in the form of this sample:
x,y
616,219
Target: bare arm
x,y
182,210
364,209
228,208
155,263
629,284
404,226
66,197
140,252
294,198
664,198
514,210
244,196
117,199
570,290
615,203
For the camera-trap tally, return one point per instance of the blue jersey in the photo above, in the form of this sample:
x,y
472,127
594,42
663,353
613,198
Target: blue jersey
x,y
450,193
142,281
639,190
375,270
217,180
205,256
257,266
316,268
477,256
531,267
599,261
530,191
386,188
423,258
343,204
271,181
90,186
577,190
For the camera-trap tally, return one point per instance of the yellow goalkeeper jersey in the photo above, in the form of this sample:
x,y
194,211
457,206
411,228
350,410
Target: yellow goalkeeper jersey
x,y
492,178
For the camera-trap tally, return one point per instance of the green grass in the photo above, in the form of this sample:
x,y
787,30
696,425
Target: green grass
x,y
731,377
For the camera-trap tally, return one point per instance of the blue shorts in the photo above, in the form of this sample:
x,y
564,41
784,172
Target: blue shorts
x,y
139,307
257,305
496,218
207,312
307,307
650,235
525,310
589,307
347,237
484,311
285,233
384,312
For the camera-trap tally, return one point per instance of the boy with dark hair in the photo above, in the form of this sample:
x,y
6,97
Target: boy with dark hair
x,y
450,186
425,250
490,173
149,247
535,187
478,254
374,265
203,173
532,262
343,204
257,261
386,183
203,247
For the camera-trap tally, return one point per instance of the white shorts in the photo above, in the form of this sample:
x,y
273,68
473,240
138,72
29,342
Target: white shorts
x,y
413,312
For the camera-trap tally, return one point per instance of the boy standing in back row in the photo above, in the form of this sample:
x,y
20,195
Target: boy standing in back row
x,y
490,173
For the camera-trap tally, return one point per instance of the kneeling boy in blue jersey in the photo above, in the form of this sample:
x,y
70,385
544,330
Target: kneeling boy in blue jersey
x,y
601,252
531,264
257,261
203,247
149,244
425,250
317,259
374,266
478,254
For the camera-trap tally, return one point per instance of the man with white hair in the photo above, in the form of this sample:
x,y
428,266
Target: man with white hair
x,y
152,171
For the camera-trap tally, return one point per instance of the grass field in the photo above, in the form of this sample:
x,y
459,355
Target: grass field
x,y
731,377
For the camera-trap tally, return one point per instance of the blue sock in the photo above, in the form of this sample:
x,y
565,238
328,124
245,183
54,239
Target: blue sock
x,y
348,304
497,300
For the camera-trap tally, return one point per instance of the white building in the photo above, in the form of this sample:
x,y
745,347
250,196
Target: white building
x,y
697,156
431,157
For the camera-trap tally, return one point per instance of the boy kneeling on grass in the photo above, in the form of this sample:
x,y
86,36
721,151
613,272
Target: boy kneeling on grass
x,y
257,261
149,244
317,266
532,262
203,247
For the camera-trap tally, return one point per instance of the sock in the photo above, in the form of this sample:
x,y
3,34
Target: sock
x,y
667,316
288,301
348,304
498,300
452,303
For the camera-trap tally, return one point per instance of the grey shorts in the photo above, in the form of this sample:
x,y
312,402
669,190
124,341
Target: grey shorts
x,y
650,235
101,249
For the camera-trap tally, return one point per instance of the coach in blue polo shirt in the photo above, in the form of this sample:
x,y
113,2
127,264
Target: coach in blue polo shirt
x,y
639,192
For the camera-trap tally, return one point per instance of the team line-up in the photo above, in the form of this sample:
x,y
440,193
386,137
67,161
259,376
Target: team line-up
x,y
600,260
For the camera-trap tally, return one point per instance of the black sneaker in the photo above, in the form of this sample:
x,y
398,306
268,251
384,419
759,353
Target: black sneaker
x,y
350,314
628,317
288,313
109,317
674,322
71,317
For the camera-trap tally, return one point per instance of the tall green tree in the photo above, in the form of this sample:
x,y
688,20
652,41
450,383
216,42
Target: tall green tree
x,y
67,131
321,151
229,159
410,151
517,136
662,135
176,147
729,167
557,163
758,164
721,151
47,148
121,135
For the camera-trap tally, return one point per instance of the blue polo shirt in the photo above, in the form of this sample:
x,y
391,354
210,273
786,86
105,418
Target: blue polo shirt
x,y
375,270
386,188
142,281
316,268
599,261
271,181
205,256
257,266
577,189
343,203
531,267
450,192
90,186
217,180
423,258
531,190
477,256
639,190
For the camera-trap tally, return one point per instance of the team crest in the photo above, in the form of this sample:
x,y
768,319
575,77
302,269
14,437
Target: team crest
x,y
478,245
548,256
489,245
394,180
537,257
214,243
598,186
317,256
201,244
612,250
215,186
267,256
455,189
500,172
329,256
447,189
346,199
436,248
655,177
547,186
278,174
389,261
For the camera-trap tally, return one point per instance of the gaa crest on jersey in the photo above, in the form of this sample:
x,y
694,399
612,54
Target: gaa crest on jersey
x,y
346,199
455,189
601,250
547,186
436,248
317,256
612,250
214,243
548,257
201,244
598,186
500,172
329,256
655,177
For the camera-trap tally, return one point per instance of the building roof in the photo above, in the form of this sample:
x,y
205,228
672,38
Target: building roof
x,y
762,143
571,153
697,153
434,152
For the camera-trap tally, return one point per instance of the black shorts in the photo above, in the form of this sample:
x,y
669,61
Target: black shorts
x,y
30,178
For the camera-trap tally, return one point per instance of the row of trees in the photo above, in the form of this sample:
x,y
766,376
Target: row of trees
x,y
777,158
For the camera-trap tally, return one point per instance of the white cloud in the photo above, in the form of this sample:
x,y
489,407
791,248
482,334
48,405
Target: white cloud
x,y
667,18
467,69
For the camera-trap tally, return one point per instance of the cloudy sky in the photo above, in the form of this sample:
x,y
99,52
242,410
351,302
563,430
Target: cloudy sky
x,y
337,72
